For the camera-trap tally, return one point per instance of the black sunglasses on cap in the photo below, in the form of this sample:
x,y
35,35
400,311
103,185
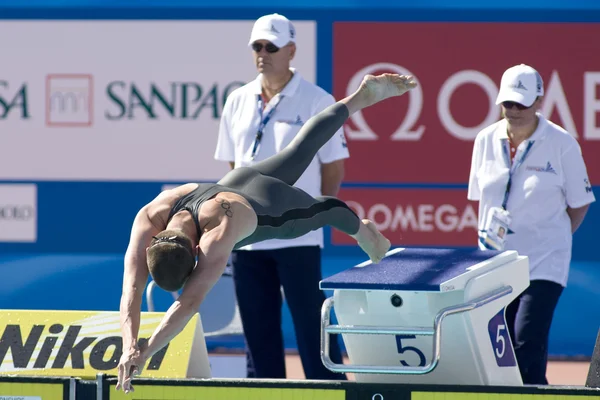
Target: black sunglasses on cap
x,y
269,47
510,104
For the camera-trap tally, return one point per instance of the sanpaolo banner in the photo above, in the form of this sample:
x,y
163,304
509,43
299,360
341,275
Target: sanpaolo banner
x,y
143,110
18,213
84,343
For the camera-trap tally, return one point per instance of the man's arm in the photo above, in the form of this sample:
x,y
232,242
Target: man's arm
x,y
225,148
332,175
332,154
577,187
577,215
134,282
215,247
135,277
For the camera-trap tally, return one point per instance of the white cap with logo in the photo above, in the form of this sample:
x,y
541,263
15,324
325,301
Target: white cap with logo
x,y
520,84
275,28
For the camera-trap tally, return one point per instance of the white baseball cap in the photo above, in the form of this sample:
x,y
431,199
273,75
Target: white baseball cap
x,y
275,28
521,84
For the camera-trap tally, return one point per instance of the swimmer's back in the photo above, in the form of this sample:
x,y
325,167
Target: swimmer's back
x,y
192,196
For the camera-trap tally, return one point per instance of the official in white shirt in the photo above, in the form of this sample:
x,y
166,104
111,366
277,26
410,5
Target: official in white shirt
x,y
530,179
259,120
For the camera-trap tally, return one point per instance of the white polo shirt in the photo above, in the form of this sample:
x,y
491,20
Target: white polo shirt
x,y
552,177
239,125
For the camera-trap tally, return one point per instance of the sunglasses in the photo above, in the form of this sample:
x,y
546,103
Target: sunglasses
x,y
510,104
269,47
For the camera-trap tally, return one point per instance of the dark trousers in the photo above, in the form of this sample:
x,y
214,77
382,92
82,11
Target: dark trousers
x,y
258,276
529,318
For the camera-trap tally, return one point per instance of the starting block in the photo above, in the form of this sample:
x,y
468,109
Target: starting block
x,y
427,316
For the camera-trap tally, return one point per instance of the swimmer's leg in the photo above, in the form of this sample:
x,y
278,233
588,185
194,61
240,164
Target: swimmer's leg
x,y
326,210
290,163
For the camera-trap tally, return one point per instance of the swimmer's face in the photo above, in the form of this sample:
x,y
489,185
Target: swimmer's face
x,y
270,59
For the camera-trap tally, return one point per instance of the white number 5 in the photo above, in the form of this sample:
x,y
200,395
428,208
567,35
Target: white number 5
x,y
500,339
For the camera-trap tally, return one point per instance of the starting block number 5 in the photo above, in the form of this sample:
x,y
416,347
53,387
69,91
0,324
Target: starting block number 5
x,y
410,349
499,337
500,340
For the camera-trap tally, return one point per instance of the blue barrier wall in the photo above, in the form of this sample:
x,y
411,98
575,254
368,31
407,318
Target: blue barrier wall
x,y
83,227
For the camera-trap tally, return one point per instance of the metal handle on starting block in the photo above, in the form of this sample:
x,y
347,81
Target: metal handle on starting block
x,y
150,295
152,285
436,332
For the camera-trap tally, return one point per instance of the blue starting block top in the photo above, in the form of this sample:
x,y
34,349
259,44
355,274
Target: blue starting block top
x,y
409,269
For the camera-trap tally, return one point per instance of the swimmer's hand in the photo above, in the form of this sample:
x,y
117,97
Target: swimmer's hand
x,y
131,364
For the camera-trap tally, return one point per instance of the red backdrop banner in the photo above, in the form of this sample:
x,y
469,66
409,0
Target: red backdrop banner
x,y
427,135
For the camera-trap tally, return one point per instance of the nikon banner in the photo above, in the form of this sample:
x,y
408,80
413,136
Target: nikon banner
x,y
85,343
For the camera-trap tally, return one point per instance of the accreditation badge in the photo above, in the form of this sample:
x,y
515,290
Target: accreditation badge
x,y
496,228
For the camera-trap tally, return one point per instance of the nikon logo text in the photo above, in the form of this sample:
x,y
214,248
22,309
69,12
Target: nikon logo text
x,y
58,344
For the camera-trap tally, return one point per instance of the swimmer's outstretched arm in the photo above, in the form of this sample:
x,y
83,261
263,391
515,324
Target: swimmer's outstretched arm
x,y
135,277
214,249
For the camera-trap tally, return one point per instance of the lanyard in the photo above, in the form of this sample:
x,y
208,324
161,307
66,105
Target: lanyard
x,y
263,122
513,168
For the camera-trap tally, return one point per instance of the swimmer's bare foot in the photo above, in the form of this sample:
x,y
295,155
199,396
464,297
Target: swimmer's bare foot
x,y
381,87
372,241
374,89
